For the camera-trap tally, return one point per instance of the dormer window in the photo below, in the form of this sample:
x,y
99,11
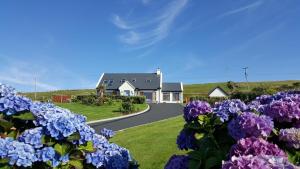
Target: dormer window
x,y
148,80
133,80
123,80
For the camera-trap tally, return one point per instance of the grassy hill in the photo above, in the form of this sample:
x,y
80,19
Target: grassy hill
x,y
203,89
189,89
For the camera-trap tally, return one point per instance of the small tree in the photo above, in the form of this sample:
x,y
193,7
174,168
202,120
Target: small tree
x,y
296,85
100,94
232,86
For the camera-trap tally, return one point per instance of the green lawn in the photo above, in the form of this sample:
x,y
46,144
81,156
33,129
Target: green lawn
x,y
152,145
98,112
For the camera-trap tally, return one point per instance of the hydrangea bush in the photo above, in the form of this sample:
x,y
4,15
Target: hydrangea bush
x,y
264,134
42,135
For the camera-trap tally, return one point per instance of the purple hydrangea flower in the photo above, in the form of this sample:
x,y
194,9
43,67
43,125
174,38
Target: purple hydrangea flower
x,y
257,162
282,111
255,146
229,108
186,140
107,133
195,108
32,137
177,162
249,124
291,137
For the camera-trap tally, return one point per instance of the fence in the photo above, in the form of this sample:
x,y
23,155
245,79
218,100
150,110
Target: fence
x,y
61,98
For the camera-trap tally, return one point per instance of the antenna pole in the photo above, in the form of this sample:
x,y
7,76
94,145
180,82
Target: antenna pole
x,y
246,76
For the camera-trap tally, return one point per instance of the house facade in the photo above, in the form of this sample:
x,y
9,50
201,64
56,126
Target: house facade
x,y
150,85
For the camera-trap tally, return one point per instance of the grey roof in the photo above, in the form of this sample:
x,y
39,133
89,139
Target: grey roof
x,y
171,87
141,81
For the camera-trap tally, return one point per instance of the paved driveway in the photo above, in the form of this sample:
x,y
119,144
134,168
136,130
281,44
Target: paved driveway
x,y
156,112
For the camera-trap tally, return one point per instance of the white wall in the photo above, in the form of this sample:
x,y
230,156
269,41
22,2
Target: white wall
x,y
126,86
217,93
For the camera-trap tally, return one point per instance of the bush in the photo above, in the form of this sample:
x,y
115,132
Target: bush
x,y
133,99
263,134
42,135
210,100
127,107
138,99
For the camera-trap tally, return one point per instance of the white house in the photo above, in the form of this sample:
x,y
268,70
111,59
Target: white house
x,y
150,85
217,92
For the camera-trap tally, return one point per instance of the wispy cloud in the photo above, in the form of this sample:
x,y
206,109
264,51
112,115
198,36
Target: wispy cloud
x,y
151,30
242,9
23,75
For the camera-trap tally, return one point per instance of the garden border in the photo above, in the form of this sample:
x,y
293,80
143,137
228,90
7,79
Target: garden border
x,y
120,117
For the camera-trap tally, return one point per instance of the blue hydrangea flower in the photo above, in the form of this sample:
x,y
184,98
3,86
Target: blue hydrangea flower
x,y
249,124
110,156
46,154
32,137
229,108
186,140
177,162
86,133
107,133
195,108
18,153
10,102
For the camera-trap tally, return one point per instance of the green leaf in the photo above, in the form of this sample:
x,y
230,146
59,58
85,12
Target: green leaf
x,y
62,148
74,136
25,116
194,164
6,124
76,163
211,162
87,147
12,134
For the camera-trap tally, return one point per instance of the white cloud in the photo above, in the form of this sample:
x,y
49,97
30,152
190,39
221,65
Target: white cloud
x,y
243,8
150,30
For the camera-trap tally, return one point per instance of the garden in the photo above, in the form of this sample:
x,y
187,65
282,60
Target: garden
x,y
263,133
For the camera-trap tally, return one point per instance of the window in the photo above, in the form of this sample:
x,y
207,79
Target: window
x,y
105,81
175,97
166,96
110,82
148,80
123,80
133,80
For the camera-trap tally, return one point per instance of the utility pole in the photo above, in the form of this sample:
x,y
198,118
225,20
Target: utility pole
x,y
246,76
35,88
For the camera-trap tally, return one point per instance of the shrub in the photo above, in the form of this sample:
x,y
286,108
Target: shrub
x,y
42,135
127,107
138,99
210,100
231,134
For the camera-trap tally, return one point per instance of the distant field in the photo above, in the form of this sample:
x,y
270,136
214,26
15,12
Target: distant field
x,y
98,112
203,89
189,89
152,144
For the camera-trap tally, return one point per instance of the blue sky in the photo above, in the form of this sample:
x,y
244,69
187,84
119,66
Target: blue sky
x,y
67,44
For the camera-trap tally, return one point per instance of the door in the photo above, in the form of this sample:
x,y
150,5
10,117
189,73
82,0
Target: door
x,y
148,96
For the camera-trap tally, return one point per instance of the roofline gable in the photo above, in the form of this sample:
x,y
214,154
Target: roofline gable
x,y
99,81
128,84
218,87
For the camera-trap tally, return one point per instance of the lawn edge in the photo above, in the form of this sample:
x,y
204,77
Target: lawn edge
x,y
120,117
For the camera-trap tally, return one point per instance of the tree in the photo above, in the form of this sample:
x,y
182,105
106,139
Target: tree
x,y
232,86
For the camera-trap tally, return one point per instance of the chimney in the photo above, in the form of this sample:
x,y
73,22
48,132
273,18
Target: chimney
x,y
158,72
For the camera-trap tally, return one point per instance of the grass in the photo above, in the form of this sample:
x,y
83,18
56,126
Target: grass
x,y
152,144
203,89
93,112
